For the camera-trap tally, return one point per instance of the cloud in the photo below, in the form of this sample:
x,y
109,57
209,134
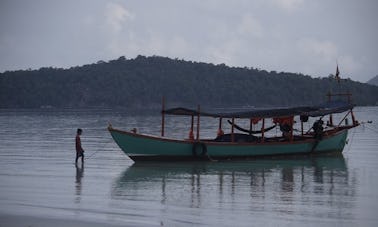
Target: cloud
x,y
178,46
120,37
319,57
348,65
227,52
231,41
322,49
288,5
250,26
116,16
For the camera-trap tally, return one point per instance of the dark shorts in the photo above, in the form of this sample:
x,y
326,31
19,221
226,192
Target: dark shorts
x,y
80,154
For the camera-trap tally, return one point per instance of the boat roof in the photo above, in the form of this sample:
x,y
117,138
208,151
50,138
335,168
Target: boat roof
x,y
311,111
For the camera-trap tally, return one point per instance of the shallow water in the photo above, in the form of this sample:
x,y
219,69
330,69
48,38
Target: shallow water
x,y
38,177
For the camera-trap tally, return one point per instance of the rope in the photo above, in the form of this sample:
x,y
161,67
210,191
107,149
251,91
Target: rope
x,y
351,140
92,154
212,160
99,149
354,132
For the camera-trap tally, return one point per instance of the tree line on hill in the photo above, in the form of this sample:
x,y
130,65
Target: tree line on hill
x,y
143,81
373,81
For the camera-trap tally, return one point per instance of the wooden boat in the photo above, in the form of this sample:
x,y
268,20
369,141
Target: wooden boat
x,y
249,144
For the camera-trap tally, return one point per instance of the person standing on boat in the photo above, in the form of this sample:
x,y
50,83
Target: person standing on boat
x,y
318,129
286,130
79,148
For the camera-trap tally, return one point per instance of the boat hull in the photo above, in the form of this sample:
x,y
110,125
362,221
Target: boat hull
x,y
142,147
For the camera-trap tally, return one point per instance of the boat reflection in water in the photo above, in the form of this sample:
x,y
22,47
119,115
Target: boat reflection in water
x,y
309,186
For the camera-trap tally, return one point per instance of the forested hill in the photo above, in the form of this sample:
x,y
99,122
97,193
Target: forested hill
x,y
373,81
141,82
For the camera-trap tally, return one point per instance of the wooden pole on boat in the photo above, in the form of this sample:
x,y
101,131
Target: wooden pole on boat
x,y
353,118
250,125
220,132
351,110
162,117
346,115
292,128
192,124
263,130
330,116
198,122
349,95
191,135
232,130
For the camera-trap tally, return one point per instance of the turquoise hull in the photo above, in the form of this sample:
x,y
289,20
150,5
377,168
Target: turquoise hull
x,y
142,147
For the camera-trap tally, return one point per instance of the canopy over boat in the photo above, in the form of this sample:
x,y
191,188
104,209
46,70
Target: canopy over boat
x,y
311,111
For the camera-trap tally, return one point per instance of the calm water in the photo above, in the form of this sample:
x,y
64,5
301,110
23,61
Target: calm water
x,y
38,177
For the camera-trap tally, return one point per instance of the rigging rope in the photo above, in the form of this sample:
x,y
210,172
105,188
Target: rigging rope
x,y
92,154
351,140
99,149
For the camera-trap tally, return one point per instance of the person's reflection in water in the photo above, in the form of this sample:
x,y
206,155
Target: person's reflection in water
x,y
79,175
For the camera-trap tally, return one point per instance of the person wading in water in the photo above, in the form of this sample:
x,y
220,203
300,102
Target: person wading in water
x,y
79,148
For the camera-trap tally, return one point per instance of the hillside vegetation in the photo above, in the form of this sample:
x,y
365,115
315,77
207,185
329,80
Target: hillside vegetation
x,y
373,81
141,82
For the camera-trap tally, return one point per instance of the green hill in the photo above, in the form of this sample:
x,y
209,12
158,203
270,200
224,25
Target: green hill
x,y
373,81
141,82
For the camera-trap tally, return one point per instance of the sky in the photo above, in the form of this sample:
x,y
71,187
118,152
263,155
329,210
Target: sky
x,y
300,36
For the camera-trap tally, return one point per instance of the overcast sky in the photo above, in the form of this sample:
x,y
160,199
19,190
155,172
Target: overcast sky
x,y
305,36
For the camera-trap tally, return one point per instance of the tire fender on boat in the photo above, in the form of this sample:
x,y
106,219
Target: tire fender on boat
x,y
199,149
